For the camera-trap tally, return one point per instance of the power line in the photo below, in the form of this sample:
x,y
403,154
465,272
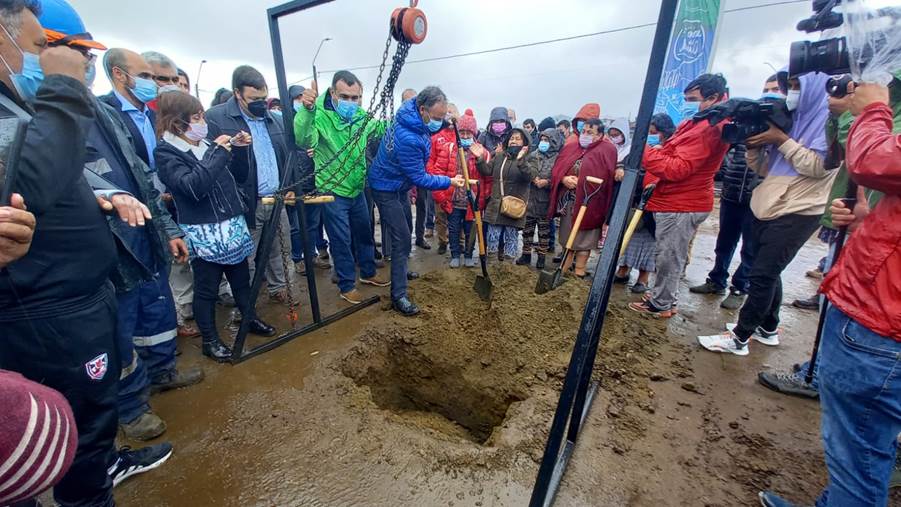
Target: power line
x,y
553,41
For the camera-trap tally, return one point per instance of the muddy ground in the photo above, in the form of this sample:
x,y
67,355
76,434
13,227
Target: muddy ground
x,y
453,408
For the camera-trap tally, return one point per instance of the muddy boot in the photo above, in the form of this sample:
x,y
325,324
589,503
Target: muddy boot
x,y
539,264
146,426
214,349
525,259
176,379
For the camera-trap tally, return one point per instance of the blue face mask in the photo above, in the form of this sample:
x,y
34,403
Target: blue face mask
x,y
434,125
29,79
690,108
543,146
466,143
579,125
346,109
772,95
297,107
654,139
145,89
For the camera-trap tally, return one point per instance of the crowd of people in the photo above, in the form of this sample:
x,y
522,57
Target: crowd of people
x,y
135,212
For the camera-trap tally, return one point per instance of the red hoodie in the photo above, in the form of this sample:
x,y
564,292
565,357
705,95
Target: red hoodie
x,y
865,284
685,166
589,111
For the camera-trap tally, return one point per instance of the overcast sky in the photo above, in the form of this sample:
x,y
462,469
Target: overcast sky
x,y
539,81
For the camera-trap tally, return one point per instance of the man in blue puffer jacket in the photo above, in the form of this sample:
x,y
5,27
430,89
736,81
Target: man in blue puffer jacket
x,y
400,165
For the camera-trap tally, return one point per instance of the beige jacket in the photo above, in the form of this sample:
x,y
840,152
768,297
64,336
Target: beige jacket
x,y
805,194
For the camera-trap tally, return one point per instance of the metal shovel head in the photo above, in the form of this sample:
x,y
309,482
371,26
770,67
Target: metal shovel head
x,y
548,281
484,288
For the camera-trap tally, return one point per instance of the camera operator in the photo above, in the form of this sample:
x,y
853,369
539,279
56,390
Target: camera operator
x,y
787,207
860,353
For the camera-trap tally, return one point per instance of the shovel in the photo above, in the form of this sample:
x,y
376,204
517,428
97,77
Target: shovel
x,y
483,286
550,280
636,218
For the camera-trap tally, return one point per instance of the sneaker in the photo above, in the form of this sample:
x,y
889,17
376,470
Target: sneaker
x,y
761,335
708,287
770,499
734,300
811,303
455,263
648,309
176,379
146,426
353,297
725,342
375,280
469,262
816,274
134,462
788,383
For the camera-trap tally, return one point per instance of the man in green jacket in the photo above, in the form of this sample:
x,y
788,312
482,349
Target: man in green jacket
x,y
326,124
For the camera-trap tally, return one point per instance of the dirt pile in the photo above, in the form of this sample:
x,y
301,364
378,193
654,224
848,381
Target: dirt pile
x,y
465,368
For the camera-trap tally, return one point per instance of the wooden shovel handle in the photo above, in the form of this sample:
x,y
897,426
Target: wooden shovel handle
x,y
592,179
575,229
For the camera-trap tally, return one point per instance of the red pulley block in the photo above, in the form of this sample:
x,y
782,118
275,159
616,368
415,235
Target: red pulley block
x,y
408,24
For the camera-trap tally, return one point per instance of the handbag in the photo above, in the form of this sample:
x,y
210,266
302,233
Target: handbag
x,y
511,206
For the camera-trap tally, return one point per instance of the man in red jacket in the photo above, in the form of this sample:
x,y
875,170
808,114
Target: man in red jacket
x,y
860,355
683,198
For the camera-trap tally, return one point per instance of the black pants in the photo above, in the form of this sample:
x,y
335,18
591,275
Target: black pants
x,y
736,223
776,243
422,210
75,353
207,277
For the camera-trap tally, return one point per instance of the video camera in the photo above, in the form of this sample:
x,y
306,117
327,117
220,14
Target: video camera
x,y
748,117
869,48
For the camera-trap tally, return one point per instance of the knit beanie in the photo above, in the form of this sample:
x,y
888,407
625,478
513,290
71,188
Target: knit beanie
x,y
38,437
468,122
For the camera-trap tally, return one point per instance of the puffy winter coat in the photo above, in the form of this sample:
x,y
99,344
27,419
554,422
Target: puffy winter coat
x,y
540,197
739,180
864,284
517,180
685,166
404,166
443,162
489,139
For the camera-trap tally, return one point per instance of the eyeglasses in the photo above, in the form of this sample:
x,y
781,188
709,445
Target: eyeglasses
x,y
85,52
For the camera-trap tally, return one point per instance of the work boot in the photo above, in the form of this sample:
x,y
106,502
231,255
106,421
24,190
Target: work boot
x,y
788,383
811,303
525,259
442,248
423,244
176,379
539,264
321,262
708,287
323,254
216,350
375,280
352,296
734,300
260,328
405,307
146,426
134,462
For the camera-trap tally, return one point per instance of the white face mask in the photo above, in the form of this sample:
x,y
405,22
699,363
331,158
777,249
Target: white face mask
x,y
792,99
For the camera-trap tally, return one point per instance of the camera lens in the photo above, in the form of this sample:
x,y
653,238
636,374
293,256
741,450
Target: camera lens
x,y
829,56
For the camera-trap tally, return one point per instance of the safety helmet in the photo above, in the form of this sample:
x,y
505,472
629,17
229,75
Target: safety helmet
x,y
63,26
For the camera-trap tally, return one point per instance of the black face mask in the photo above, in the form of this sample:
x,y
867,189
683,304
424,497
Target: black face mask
x,y
513,150
257,108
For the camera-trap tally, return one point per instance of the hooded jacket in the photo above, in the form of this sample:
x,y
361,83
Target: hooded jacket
x,y
540,197
589,111
443,162
517,180
738,179
684,168
864,284
324,131
489,139
404,166
622,150
598,160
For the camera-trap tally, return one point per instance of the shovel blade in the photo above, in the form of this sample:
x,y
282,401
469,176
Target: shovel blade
x,y
548,281
484,288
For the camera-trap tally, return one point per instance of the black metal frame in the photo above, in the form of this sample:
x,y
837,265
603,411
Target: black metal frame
x,y
578,391
271,226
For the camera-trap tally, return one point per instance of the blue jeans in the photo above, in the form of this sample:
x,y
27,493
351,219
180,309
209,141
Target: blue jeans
x,y
736,222
860,404
394,209
457,224
348,228
315,230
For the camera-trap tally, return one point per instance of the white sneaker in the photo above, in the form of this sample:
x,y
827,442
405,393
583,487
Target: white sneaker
x,y
725,342
761,335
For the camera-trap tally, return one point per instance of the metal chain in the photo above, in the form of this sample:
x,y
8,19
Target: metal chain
x,y
289,291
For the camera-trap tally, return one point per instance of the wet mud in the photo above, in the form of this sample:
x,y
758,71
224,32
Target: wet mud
x,y
452,408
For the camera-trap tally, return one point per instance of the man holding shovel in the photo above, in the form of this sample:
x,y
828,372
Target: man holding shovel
x,y
399,165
